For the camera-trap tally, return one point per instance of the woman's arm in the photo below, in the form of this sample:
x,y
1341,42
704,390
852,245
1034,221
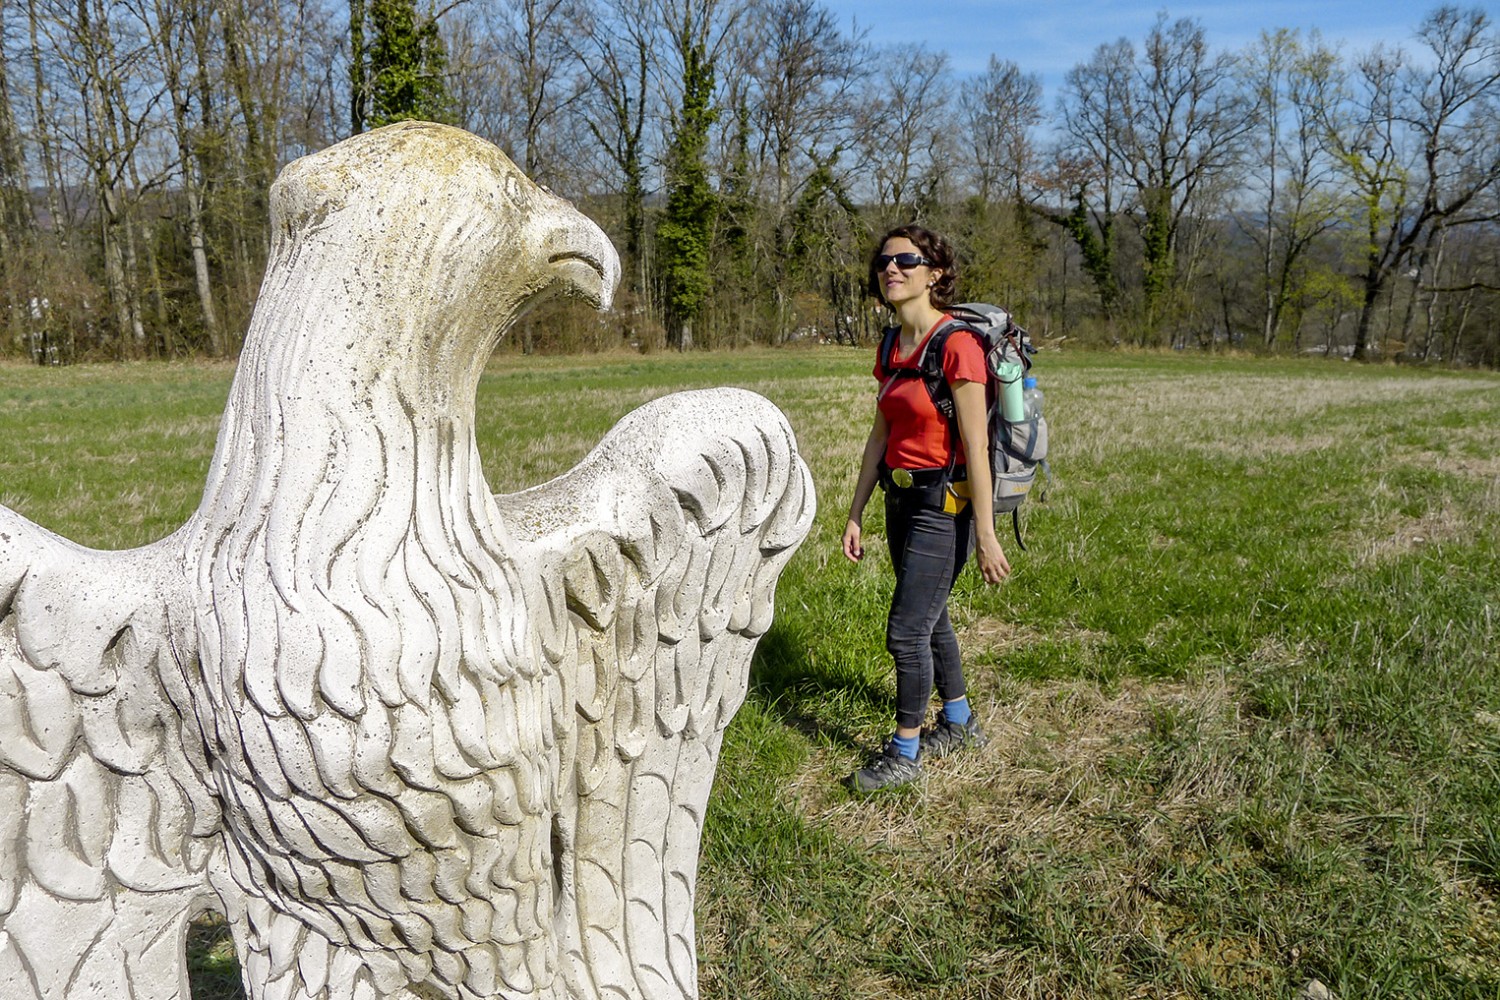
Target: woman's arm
x,y
869,472
973,428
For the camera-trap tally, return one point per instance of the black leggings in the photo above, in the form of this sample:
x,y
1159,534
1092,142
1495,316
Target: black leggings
x,y
928,549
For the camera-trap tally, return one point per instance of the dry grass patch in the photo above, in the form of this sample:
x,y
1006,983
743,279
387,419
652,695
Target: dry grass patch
x,y
1084,793
1066,762
1246,416
1480,936
994,636
1401,535
1206,413
1477,466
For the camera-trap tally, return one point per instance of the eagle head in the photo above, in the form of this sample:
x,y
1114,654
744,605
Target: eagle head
x,y
403,254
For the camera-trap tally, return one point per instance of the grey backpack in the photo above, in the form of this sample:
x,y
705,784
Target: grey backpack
x,y
1017,448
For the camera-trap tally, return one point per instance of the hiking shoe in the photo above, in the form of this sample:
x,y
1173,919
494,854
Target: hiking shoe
x,y
885,769
945,737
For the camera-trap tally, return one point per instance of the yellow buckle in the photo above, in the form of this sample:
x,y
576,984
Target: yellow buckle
x,y
901,477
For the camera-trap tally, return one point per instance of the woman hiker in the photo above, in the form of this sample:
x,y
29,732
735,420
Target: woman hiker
x,y
932,517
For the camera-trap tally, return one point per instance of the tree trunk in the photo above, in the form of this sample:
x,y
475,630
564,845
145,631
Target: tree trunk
x,y
1374,279
180,96
196,240
114,275
358,87
1432,296
43,133
1455,343
16,223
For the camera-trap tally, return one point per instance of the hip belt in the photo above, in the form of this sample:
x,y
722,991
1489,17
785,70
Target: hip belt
x,y
944,489
906,479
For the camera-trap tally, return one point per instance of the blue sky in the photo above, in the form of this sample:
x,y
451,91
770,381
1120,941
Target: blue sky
x,y
1049,38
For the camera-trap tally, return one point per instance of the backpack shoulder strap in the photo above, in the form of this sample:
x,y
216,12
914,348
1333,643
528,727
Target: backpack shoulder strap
x,y
887,348
932,351
932,363
939,342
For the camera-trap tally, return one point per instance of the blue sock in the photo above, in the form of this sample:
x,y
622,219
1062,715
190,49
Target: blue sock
x,y
957,712
907,746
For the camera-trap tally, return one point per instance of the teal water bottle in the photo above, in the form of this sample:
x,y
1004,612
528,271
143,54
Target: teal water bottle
x,y
1012,407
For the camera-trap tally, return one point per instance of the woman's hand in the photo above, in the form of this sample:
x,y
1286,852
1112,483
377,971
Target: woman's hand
x,y
973,428
993,565
853,550
869,473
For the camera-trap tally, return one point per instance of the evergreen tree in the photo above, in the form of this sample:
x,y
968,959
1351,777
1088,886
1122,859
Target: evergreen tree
x,y
686,230
738,206
407,66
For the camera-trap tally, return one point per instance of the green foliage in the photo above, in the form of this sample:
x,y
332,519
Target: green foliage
x,y
407,66
685,234
823,222
1000,253
1156,240
1097,249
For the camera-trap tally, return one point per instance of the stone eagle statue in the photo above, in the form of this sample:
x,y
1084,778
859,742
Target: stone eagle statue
x,y
414,740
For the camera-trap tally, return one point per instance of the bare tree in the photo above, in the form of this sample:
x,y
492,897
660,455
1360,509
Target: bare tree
x,y
1170,126
803,84
998,170
1296,205
1000,111
43,134
481,77
615,45
1184,137
535,41
805,76
1090,171
16,217
172,38
1418,147
105,61
1459,124
903,112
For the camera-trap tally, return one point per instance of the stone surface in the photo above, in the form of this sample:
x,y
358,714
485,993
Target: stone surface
x,y
413,739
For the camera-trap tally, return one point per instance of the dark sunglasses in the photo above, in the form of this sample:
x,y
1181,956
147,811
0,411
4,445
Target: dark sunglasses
x,y
905,261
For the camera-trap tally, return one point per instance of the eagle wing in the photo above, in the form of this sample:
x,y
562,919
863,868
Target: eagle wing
x,y
659,556
105,825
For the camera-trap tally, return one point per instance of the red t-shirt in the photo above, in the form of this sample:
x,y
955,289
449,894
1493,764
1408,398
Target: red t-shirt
x,y
919,434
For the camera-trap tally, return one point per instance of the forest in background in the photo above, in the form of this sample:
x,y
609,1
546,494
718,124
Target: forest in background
x,y
742,154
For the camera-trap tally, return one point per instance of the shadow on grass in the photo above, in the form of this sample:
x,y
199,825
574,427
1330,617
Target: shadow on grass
x,y
818,696
213,970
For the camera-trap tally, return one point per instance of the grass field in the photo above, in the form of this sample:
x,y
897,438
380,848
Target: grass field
x,y
1243,690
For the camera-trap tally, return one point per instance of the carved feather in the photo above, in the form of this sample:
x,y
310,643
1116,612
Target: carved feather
x,y
649,737
101,813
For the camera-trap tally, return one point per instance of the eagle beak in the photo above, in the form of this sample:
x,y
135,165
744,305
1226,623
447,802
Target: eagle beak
x,y
584,262
585,277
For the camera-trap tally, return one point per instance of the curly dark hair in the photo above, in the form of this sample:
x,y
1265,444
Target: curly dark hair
x,y
932,246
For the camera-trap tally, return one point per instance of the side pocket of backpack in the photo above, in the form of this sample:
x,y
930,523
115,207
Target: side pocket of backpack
x,y
1021,446
1025,440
